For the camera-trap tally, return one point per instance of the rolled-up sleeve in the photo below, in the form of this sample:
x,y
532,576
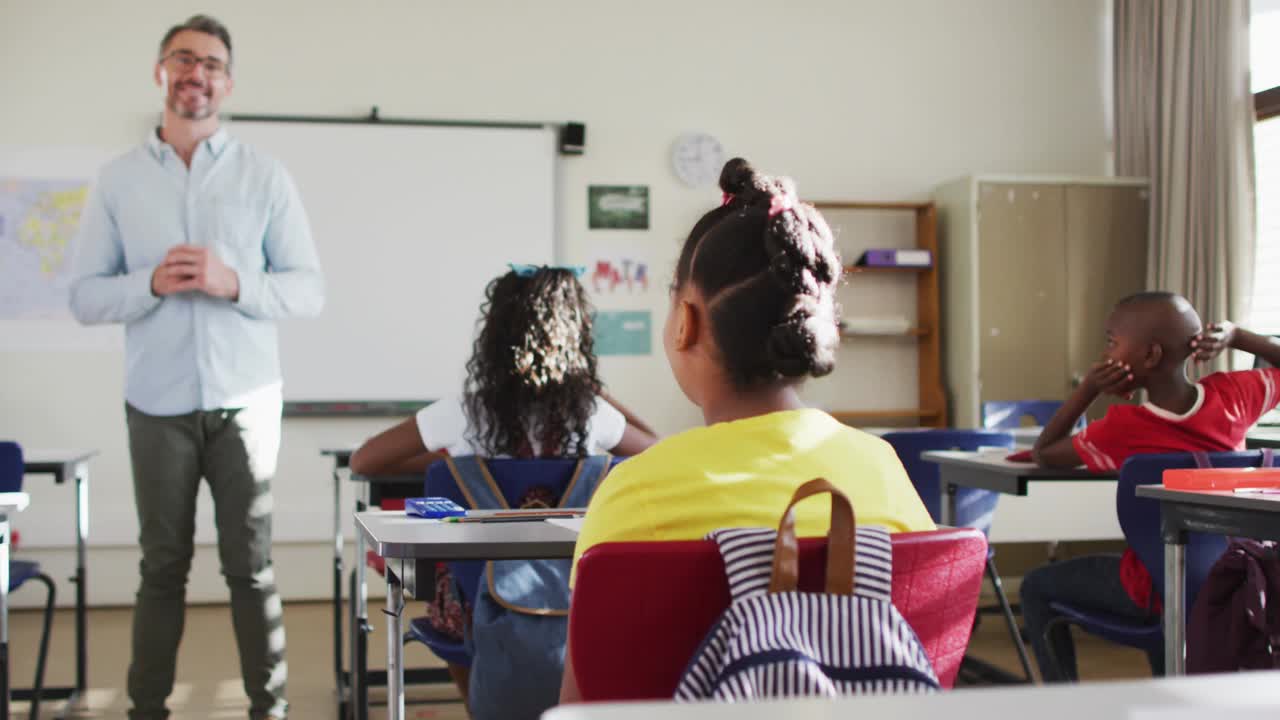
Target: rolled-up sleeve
x,y
102,289
292,284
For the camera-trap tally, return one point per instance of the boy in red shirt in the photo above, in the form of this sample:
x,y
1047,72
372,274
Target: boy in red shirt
x,y
1150,339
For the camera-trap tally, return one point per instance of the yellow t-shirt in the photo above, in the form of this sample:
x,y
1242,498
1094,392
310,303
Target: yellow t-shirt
x,y
743,474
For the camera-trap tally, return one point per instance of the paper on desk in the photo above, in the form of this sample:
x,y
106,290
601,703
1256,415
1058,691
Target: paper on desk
x,y
574,524
1208,712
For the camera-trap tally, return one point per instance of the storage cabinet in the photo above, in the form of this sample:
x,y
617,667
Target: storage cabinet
x,y
1033,266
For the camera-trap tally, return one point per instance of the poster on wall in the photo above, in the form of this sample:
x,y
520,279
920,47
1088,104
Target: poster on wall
x,y
39,219
617,276
618,207
623,332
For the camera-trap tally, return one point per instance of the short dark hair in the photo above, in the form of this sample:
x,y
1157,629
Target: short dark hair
x,y
768,277
1147,296
204,24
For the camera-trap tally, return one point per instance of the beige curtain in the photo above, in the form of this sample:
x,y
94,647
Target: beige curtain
x,y
1184,119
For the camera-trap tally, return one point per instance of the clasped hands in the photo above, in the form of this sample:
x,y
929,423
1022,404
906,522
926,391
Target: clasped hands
x,y
188,268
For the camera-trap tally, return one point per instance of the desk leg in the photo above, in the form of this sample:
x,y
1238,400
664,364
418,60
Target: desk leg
x,y
359,622
4,617
82,583
337,584
395,647
948,501
1175,623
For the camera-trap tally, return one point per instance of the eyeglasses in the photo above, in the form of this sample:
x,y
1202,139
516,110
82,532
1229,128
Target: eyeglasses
x,y
186,61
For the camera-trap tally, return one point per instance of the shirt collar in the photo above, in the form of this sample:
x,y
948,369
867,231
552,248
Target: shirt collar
x,y
216,143
1175,417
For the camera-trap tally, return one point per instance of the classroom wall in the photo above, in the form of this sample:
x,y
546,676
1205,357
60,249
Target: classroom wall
x,y
858,99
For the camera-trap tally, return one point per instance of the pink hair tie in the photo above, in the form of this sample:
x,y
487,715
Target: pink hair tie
x,y
725,199
781,203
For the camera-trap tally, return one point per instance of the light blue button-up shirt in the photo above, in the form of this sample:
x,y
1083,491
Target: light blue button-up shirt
x,y
189,351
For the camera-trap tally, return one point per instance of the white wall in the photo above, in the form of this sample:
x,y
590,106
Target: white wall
x,y
855,98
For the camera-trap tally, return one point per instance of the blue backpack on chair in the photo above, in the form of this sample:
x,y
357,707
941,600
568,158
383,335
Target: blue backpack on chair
x,y
519,620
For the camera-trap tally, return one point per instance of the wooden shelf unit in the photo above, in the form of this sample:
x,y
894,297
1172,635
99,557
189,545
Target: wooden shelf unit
x,y
932,408
856,334
856,269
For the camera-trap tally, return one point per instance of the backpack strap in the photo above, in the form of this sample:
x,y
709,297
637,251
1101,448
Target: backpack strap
x,y
748,561
587,476
476,482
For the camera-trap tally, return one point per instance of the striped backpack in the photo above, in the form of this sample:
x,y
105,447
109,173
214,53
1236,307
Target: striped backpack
x,y
774,641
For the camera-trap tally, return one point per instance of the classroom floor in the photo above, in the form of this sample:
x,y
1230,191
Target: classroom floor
x,y
209,680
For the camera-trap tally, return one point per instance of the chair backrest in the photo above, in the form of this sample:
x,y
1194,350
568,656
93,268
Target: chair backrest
x,y
11,466
1008,414
973,509
1140,517
641,609
515,477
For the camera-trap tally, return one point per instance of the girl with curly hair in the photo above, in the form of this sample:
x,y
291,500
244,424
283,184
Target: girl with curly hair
x,y
532,389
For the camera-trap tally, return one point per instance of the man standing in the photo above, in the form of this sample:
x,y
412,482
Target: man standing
x,y
198,243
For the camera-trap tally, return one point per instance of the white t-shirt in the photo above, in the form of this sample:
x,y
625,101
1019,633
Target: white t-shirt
x,y
443,426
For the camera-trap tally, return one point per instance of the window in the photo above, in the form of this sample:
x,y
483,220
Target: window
x,y
1265,70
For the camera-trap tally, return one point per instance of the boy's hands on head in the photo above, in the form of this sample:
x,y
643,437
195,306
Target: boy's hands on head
x,y
1210,342
1110,377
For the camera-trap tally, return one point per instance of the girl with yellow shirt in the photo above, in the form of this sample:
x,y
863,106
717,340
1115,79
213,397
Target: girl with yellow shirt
x,y
752,315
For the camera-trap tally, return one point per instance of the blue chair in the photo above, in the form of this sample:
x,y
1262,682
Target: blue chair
x,y
974,506
1140,522
515,478
11,473
1008,414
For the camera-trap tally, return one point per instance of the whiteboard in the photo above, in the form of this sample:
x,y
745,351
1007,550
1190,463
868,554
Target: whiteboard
x,y
411,222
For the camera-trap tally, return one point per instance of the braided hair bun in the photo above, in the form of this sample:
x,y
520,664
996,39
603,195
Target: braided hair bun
x,y
767,266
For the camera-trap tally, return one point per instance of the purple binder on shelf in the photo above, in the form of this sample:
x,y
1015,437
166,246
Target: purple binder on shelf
x,y
913,257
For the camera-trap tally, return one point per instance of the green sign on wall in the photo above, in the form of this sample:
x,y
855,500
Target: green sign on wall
x,y
624,333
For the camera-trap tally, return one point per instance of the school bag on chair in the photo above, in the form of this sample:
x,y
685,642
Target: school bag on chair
x,y
774,641
520,616
1235,622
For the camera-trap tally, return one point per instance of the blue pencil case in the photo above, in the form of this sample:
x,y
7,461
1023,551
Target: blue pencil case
x,y
433,507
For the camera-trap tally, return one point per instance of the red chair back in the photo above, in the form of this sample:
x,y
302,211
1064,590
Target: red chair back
x,y
641,609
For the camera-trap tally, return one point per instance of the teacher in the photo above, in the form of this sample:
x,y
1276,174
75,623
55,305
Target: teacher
x,y
198,244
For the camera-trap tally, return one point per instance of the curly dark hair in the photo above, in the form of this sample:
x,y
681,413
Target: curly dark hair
x,y
767,267
532,372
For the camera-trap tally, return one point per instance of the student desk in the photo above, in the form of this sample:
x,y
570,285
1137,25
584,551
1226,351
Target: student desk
x,y
412,546
353,685
1023,437
990,471
10,503
1240,696
1214,512
64,465
1263,437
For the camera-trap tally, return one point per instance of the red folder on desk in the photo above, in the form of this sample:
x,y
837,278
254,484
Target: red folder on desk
x,y
1228,479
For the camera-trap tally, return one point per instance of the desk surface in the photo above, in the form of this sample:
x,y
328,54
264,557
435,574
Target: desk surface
x,y
995,462
392,534
1213,498
1263,437
1253,695
12,502
47,460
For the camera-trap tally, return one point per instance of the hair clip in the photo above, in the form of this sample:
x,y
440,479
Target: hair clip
x,y
528,270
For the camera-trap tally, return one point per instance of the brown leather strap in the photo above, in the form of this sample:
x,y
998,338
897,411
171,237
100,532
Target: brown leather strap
x,y
841,542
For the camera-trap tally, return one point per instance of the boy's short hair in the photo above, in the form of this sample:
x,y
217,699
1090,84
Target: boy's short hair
x,y
1149,296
